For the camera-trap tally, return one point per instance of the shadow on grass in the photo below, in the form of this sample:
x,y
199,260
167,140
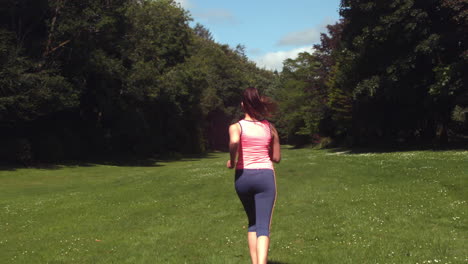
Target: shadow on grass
x,y
389,148
397,148
275,262
124,161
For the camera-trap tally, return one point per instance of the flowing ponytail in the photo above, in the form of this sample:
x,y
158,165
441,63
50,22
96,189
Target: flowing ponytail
x,y
258,107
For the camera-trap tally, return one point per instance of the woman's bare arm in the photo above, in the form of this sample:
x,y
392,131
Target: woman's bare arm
x,y
234,137
275,148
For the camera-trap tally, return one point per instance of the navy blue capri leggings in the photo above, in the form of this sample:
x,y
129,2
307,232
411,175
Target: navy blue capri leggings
x,y
256,189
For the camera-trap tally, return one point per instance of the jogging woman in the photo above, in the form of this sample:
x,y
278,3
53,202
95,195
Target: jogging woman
x,y
255,144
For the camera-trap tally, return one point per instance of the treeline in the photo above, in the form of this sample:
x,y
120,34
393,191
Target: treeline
x,y
389,72
111,77
131,77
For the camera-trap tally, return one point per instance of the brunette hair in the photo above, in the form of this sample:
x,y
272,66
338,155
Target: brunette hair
x,y
258,107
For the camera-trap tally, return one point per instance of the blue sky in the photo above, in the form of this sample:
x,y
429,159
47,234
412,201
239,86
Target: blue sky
x,y
271,30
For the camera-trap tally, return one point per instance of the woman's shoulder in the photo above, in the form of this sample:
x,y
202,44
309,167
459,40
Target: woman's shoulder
x,y
268,123
234,126
236,122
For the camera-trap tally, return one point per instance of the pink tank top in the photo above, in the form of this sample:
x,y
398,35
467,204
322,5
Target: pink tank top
x,y
254,146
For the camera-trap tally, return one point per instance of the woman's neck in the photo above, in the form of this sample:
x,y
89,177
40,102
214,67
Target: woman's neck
x,y
249,118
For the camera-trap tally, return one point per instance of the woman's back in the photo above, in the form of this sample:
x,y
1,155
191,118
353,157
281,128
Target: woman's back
x,y
255,145
255,140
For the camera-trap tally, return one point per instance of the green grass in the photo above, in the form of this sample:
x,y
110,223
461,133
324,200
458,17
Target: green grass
x,y
332,207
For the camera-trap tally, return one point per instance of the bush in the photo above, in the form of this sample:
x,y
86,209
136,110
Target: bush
x,y
74,145
48,147
16,150
326,142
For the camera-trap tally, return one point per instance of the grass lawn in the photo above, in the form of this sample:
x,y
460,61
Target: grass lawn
x,y
332,207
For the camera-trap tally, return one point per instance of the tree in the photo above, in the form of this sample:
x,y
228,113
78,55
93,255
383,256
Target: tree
x,y
203,32
307,99
404,67
115,77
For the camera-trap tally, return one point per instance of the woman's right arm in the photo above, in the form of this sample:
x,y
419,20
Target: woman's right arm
x,y
234,138
275,148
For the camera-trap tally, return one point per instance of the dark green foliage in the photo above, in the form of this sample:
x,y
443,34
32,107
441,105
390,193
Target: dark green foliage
x,y
26,89
125,77
16,150
391,72
115,77
207,88
298,99
311,108
407,67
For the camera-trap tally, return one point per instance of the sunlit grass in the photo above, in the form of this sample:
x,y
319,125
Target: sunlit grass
x,y
332,207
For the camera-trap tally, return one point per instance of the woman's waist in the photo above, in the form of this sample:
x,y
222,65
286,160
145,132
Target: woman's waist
x,y
243,164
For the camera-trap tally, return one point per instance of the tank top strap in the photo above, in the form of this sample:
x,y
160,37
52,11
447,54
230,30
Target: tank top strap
x,y
255,138
241,129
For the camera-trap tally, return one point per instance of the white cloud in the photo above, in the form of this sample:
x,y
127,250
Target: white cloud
x,y
274,60
308,36
255,51
216,15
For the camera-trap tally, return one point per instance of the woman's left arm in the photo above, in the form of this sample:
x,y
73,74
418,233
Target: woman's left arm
x,y
234,138
275,147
